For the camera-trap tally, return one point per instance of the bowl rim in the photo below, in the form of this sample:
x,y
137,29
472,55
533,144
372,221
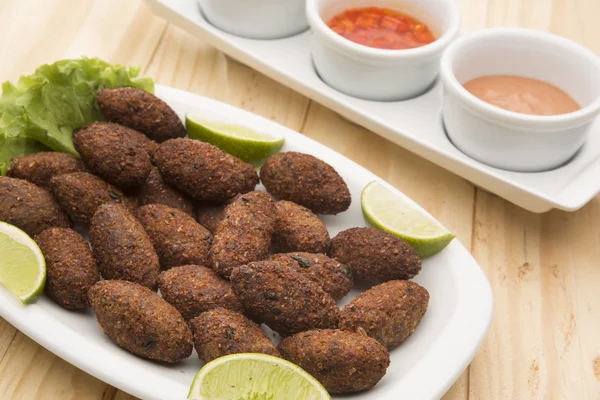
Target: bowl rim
x,y
319,26
512,118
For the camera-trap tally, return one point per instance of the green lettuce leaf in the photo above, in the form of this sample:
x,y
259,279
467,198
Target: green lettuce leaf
x,y
43,109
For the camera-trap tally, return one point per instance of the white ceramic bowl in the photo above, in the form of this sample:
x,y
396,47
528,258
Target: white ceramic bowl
x,y
257,19
380,74
510,140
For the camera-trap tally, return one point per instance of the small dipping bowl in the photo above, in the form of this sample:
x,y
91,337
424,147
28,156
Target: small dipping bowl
x,y
510,140
380,74
257,19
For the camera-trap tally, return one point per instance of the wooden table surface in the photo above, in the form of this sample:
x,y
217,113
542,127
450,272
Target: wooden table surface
x,y
544,342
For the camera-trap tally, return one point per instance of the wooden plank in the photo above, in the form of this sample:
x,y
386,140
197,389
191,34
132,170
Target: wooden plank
x,y
185,62
543,268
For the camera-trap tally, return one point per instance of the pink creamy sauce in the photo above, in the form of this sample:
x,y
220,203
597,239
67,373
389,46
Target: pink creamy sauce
x,y
522,95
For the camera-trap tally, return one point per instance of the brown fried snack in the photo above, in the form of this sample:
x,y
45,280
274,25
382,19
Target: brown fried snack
x,y
112,153
177,238
244,234
203,171
29,207
307,181
210,216
70,267
388,312
122,248
284,299
138,320
142,111
335,278
39,168
298,229
193,289
375,255
80,194
156,191
343,362
220,332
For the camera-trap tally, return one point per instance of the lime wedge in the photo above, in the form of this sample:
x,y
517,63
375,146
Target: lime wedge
x,y
240,141
254,376
22,264
392,213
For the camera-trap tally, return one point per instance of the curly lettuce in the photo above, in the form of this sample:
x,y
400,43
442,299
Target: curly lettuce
x,y
42,110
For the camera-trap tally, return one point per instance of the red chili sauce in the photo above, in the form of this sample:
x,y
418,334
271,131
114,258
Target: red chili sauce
x,y
381,28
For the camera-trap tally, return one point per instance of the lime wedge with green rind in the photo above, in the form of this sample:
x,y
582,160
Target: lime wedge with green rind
x,y
386,210
22,264
245,143
254,376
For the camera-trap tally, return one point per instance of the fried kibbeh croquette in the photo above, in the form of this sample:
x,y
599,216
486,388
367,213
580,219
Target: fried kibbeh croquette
x,y
80,194
121,247
220,332
39,168
29,207
389,312
142,111
203,171
210,216
244,234
284,299
375,255
138,320
70,267
110,152
298,229
193,289
177,238
306,181
344,362
156,191
335,278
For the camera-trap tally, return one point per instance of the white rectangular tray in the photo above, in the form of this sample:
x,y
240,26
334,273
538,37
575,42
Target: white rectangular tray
x,y
413,124
424,367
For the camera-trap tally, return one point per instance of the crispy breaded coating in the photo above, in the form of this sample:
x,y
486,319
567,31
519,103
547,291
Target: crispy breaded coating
x,y
156,191
388,312
344,362
375,255
283,298
70,267
203,171
142,111
122,248
177,238
210,216
220,332
113,154
138,320
335,278
29,207
245,232
39,168
193,289
307,181
80,194
298,229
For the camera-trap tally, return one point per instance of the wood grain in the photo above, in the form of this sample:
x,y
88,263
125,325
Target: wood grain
x,y
543,343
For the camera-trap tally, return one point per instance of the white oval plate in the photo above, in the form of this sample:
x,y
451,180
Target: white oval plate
x,y
424,367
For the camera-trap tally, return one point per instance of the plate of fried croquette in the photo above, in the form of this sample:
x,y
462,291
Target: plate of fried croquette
x,y
164,253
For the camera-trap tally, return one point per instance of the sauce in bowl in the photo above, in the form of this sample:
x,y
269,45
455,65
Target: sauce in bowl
x,y
381,28
522,95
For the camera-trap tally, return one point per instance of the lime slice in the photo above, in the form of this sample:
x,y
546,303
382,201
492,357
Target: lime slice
x,y
240,141
22,264
392,213
254,376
